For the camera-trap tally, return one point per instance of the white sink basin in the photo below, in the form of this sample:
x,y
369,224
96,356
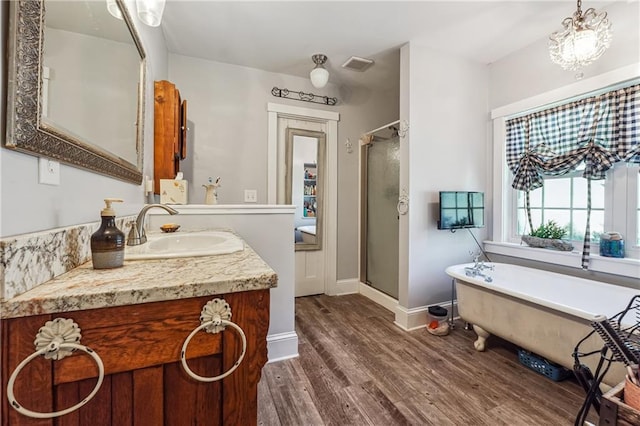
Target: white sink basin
x,y
185,244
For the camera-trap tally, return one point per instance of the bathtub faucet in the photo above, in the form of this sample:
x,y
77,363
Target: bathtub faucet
x,y
476,270
479,265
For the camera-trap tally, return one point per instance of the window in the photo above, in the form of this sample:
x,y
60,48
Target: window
x,y
557,190
564,200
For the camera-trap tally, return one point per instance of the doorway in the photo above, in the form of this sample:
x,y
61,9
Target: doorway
x,y
380,192
315,260
304,178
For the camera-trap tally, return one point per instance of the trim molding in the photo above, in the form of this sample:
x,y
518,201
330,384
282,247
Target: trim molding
x,y
348,286
577,88
406,319
379,297
281,346
205,209
290,110
410,319
626,267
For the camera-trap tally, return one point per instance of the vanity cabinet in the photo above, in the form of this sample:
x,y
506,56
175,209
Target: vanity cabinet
x,y
169,132
144,381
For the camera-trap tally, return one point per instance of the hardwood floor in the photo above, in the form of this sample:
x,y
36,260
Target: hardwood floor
x,y
357,368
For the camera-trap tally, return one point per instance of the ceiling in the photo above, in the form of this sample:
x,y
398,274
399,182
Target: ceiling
x,y
281,36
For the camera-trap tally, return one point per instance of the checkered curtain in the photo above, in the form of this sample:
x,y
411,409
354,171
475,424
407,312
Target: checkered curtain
x,y
597,131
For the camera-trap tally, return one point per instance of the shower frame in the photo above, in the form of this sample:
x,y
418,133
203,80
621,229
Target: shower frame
x,y
363,165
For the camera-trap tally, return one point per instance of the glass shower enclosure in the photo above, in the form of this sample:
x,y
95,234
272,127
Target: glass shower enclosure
x,y
380,182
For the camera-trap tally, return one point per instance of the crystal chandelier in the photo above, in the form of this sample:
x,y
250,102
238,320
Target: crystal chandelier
x,y
583,39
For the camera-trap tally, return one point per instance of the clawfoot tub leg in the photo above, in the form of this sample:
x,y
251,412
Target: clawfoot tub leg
x,y
480,344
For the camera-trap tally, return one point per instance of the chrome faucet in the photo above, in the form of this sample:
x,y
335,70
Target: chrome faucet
x,y
137,234
478,267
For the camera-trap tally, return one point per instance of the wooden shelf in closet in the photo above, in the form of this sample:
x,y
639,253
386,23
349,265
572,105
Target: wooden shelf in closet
x,y
169,132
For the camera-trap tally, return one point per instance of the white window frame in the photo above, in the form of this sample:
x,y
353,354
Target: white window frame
x,y
575,174
505,242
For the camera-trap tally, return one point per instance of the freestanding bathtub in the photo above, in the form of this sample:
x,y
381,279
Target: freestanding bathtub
x,y
543,312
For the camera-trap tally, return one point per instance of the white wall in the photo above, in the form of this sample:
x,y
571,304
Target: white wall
x,y
445,100
28,206
228,135
529,71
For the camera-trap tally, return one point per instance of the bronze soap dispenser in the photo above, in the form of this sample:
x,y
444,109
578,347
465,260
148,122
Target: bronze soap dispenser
x,y
107,243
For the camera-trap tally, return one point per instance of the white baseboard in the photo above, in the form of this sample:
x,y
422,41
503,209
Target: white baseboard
x,y
411,319
379,297
348,286
282,346
415,318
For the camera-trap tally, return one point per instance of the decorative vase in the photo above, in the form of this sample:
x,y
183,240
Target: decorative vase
x,y
547,243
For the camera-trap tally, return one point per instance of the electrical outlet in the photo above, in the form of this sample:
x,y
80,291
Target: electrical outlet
x,y
49,171
250,196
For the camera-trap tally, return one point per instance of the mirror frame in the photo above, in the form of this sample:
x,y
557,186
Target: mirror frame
x,y
25,132
321,168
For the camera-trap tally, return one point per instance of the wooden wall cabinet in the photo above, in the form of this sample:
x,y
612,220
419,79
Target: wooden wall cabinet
x,y
144,381
169,132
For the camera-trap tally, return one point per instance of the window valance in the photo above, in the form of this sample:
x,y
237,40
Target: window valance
x,y
598,130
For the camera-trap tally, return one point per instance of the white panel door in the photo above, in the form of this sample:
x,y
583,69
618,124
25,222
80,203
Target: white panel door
x,y
309,264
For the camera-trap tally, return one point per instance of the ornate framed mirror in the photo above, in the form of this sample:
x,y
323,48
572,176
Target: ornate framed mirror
x,y
76,83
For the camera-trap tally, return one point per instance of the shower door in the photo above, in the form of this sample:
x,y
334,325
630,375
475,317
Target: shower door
x,y
381,176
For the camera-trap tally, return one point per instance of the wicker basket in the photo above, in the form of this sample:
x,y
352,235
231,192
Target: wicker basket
x,y
631,394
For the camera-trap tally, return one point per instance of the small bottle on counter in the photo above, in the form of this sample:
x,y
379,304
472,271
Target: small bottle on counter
x,y
107,243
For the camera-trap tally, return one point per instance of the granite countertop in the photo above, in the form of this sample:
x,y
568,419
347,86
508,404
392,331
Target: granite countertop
x,y
144,281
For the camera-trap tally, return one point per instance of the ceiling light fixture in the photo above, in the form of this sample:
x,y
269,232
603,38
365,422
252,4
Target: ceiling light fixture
x,y
583,39
113,9
149,11
319,75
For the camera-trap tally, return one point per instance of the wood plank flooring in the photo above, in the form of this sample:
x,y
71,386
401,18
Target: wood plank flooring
x,y
357,368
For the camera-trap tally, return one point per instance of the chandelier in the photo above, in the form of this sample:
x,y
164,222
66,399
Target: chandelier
x,y
583,39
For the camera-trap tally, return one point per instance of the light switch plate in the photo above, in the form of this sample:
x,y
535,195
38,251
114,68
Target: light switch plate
x,y
250,196
48,171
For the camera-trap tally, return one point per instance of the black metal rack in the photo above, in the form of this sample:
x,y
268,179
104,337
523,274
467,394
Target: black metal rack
x,y
621,335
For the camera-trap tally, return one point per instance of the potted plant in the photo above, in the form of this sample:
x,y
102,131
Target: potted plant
x,y
548,235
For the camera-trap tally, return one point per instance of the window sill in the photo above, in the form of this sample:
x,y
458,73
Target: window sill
x,y
627,267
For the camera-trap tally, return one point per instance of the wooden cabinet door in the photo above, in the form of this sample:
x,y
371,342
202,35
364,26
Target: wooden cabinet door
x,y
167,132
33,385
144,382
162,395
